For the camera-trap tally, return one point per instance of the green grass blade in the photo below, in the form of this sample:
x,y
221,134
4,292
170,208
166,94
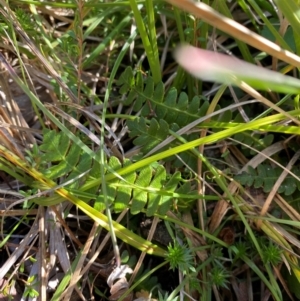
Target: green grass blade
x,y
291,10
102,46
280,40
274,290
152,56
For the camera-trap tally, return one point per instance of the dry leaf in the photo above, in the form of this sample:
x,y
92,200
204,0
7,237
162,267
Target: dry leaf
x,y
119,287
117,273
143,296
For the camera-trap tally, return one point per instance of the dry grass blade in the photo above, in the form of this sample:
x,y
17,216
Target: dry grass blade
x,y
42,273
279,181
95,119
238,31
142,256
10,109
288,209
19,212
78,270
58,216
195,238
222,206
9,15
13,121
9,142
103,243
289,237
57,248
20,250
283,283
241,289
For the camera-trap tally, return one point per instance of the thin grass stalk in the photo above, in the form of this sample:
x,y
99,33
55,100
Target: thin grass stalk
x,y
244,49
180,74
151,56
279,39
106,41
152,31
179,25
78,26
290,10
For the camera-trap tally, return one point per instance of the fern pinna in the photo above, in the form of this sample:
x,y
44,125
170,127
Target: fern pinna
x,y
150,189
265,176
160,112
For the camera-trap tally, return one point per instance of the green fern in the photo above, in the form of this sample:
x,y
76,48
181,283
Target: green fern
x,y
67,159
265,176
148,134
160,112
152,100
149,189
258,141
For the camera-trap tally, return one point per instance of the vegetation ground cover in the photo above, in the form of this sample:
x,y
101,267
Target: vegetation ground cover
x,y
149,150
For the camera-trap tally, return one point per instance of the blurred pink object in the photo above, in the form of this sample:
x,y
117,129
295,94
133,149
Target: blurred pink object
x,y
221,68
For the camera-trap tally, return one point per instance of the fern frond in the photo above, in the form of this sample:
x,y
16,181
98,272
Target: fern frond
x,y
258,141
168,112
149,189
265,176
152,100
148,135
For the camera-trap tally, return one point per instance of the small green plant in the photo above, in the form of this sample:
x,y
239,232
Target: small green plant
x,y
272,254
167,297
30,291
219,276
180,257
